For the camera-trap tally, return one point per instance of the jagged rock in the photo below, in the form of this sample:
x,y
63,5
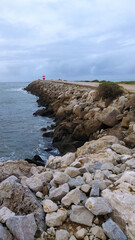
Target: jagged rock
x,y
113,231
98,232
49,206
75,182
100,144
98,206
71,197
85,188
5,234
16,168
81,215
121,197
56,218
34,183
57,162
22,227
80,234
60,178
72,172
58,193
62,234
20,200
5,214
121,149
109,116
88,178
95,188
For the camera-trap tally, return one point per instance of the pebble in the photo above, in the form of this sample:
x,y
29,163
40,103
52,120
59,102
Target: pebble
x,y
81,233
49,206
62,235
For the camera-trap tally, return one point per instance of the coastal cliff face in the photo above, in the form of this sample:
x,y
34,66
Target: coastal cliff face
x,y
87,194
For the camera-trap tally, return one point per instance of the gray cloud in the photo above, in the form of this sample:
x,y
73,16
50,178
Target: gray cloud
x,y
74,40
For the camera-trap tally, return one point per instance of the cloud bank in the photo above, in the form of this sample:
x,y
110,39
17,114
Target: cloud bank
x,y
73,40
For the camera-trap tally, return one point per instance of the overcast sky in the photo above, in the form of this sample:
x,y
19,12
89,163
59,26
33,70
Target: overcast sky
x,y
68,39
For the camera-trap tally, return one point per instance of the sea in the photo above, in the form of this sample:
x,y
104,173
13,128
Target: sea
x,y
20,131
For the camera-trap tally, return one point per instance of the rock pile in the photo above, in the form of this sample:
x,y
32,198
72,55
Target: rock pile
x,y
80,116
86,195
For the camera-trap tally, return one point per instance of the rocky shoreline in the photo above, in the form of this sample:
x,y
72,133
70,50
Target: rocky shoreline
x,y
87,193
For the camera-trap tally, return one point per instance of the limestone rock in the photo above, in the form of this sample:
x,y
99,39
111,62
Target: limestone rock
x,y
88,178
121,197
98,232
109,116
85,188
49,206
95,188
34,183
118,148
72,171
98,206
60,178
20,200
100,144
71,197
75,182
113,231
5,214
17,168
58,193
56,218
81,215
80,234
4,233
62,235
22,227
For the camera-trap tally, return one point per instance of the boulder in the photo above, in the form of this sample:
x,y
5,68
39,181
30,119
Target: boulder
x,y
62,234
81,215
98,206
121,197
96,145
113,231
57,194
60,178
72,171
16,168
56,219
4,233
22,227
49,206
5,214
71,197
20,200
109,116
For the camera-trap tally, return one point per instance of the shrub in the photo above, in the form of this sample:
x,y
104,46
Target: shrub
x,y
109,90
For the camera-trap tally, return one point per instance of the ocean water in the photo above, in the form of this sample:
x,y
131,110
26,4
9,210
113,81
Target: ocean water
x,y
20,134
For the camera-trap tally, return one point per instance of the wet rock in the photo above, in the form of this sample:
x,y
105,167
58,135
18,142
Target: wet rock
x,y
81,215
113,231
36,160
22,227
98,206
56,218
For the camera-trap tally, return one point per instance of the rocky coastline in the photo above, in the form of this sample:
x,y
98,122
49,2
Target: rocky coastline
x,y
89,191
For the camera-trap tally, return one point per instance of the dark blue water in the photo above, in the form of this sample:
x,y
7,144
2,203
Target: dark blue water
x,y
20,135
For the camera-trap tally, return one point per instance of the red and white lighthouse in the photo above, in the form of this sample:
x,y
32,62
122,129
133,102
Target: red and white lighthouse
x,y
43,77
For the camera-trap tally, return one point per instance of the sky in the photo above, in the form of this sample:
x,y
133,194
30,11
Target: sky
x,y
67,39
